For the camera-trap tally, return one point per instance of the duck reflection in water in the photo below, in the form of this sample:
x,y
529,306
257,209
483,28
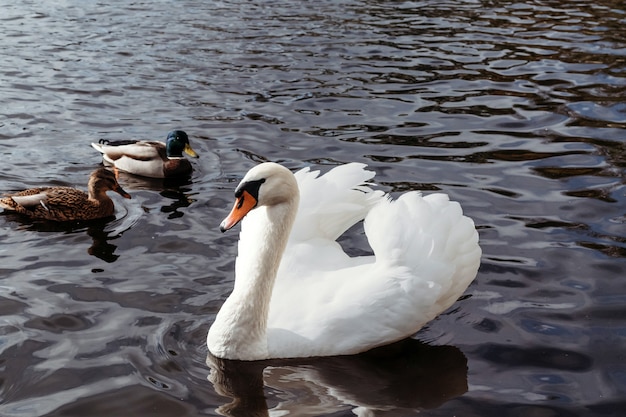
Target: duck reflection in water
x,y
176,191
172,189
101,248
96,229
386,381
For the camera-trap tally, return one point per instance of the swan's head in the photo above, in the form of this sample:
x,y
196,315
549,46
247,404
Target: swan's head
x,y
267,184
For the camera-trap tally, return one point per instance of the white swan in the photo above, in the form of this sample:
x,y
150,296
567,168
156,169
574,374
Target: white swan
x,y
298,294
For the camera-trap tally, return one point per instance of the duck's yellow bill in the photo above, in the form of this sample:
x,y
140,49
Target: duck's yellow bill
x,y
189,151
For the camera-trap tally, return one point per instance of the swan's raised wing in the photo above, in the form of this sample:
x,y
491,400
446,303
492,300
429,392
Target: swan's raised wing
x,y
330,204
426,253
430,236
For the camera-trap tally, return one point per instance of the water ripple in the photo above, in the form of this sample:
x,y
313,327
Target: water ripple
x,y
515,109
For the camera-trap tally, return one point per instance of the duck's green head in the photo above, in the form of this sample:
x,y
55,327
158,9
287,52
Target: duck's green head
x,y
177,143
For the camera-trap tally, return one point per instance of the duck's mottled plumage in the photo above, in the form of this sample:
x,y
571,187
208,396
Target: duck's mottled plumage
x,y
67,203
150,158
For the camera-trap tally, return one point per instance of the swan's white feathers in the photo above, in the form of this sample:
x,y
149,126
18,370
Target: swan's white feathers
x,y
332,203
415,252
325,302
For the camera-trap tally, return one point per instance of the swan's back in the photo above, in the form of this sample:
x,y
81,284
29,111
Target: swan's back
x,y
426,254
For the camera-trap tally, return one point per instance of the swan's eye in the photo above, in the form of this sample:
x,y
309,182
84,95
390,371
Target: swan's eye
x,y
252,187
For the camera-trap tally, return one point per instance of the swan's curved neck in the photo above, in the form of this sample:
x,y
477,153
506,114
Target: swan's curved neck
x,y
239,330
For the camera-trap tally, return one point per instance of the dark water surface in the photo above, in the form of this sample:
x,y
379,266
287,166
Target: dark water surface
x,y
515,109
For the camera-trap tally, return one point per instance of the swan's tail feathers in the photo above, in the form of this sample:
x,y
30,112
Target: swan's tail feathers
x,y
330,204
429,235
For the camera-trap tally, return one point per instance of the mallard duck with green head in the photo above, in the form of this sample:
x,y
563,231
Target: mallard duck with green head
x,y
67,203
150,158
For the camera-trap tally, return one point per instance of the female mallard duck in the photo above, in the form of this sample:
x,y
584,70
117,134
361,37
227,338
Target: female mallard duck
x,y
150,158
67,203
298,294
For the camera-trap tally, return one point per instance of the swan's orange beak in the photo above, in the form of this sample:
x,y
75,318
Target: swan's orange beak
x,y
243,204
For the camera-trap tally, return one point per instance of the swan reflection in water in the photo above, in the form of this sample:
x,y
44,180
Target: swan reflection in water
x,y
386,381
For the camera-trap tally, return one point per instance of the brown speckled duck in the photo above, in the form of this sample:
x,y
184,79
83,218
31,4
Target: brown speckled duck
x,y
149,158
67,203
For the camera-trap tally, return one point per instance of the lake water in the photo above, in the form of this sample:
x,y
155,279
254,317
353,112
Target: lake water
x,y
515,109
